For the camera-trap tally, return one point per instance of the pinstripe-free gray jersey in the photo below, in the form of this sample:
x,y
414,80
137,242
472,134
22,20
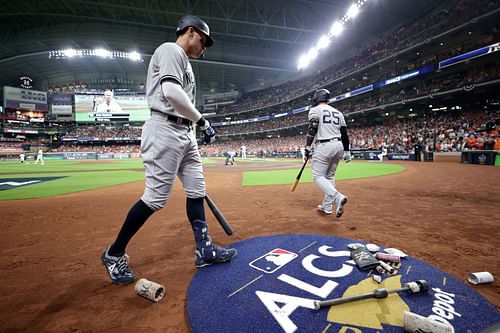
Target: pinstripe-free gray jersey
x,y
330,121
169,61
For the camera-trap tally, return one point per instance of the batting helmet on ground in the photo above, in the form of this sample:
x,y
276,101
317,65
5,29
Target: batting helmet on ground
x,y
320,95
198,24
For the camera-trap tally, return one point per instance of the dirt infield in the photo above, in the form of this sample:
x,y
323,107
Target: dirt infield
x,y
52,281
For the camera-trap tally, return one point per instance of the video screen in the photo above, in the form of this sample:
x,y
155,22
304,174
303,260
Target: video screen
x,y
106,106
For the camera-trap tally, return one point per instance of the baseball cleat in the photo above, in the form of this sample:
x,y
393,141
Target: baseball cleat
x,y
340,206
117,268
324,210
219,255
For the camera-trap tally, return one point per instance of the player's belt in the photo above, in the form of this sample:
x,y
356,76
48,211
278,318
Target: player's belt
x,y
328,140
174,119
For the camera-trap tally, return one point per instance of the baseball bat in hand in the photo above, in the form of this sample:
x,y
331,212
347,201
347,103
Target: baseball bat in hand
x,y
294,185
219,216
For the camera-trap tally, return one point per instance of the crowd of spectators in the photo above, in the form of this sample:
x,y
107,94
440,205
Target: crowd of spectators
x,y
450,15
413,89
437,131
262,148
418,88
98,148
440,131
10,146
101,132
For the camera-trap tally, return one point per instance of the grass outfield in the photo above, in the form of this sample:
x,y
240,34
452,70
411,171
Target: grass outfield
x,y
352,170
77,176
87,175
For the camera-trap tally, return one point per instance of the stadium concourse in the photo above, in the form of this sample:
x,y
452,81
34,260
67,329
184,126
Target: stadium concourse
x,y
415,80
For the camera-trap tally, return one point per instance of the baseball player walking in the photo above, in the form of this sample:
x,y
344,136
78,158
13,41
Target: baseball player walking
x,y
328,126
39,157
169,149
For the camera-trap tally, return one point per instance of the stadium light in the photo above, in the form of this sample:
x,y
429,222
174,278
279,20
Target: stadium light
x,y
323,43
134,56
102,53
335,30
312,54
303,62
353,11
69,53
87,53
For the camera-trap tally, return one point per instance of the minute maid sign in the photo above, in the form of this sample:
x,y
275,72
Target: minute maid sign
x,y
272,284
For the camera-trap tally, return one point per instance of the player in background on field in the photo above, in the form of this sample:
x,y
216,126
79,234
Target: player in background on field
x,y
39,157
383,152
243,152
22,157
230,154
327,125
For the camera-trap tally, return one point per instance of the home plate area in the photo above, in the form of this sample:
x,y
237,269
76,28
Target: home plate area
x,y
275,282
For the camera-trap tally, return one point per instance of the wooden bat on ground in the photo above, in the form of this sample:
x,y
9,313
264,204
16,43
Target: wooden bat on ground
x,y
219,216
299,175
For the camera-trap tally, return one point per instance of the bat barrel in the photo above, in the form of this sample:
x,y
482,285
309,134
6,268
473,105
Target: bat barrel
x,y
378,293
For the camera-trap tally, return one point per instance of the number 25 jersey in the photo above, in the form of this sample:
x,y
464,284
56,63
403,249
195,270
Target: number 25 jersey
x,y
330,120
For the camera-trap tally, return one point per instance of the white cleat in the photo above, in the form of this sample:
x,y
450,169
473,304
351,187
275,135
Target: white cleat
x,y
324,210
342,200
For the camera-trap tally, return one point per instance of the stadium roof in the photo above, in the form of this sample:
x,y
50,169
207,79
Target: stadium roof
x,y
257,41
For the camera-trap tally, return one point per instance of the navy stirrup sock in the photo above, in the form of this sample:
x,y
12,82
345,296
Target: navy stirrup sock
x,y
195,209
137,216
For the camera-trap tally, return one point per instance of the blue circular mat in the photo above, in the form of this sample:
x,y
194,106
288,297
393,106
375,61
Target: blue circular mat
x,y
271,284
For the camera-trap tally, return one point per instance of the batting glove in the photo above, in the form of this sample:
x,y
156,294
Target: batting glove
x,y
209,135
207,130
307,152
347,156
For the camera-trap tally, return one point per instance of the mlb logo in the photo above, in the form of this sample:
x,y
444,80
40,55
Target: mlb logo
x,y
273,260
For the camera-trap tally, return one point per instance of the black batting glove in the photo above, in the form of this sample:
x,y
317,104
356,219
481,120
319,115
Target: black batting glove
x,y
307,152
207,130
209,135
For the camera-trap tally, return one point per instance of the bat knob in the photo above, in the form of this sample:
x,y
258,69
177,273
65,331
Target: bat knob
x,y
417,286
380,293
423,284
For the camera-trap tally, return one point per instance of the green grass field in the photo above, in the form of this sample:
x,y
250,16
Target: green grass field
x,y
352,170
77,176
87,175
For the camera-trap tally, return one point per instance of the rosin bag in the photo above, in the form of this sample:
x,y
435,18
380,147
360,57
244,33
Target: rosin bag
x,y
364,259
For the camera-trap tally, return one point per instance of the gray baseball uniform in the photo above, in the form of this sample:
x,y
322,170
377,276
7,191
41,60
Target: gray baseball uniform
x,y
169,149
328,150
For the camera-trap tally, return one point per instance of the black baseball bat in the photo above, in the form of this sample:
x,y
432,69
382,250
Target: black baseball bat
x,y
219,216
294,185
411,287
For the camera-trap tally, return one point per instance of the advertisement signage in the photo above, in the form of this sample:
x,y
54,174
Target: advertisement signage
x,y
18,98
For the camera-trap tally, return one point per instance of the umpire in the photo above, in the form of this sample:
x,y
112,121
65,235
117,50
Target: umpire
x,y
169,149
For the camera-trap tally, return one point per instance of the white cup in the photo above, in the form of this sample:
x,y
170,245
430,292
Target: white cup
x,y
480,277
414,323
150,290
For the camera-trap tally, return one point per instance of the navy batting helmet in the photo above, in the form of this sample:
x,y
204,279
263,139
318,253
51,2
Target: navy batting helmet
x,y
320,95
198,24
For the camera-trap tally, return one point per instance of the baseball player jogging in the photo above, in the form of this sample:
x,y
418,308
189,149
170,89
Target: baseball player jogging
x,y
328,126
169,149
